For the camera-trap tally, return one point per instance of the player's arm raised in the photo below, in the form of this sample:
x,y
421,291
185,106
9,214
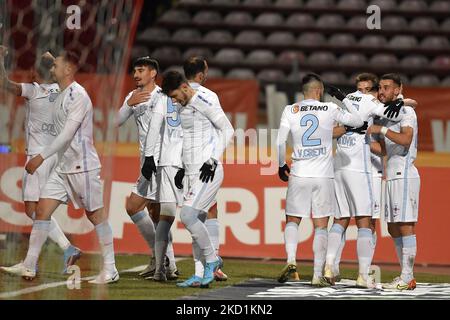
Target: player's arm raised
x,y
283,133
5,83
350,118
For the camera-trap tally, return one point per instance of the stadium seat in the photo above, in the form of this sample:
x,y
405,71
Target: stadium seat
x,y
311,39
403,42
175,68
321,57
260,57
423,24
175,16
289,56
154,33
385,4
280,37
299,20
193,1
249,37
258,3
288,3
229,56
446,82
215,73
330,21
342,39
414,61
185,34
425,80
241,73
440,5
271,75
269,19
352,59
352,4
413,5
166,53
334,77
373,41
357,22
207,17
218,36
394,23
445,25
204,52
297,76
441,62
139,51
320,4
383,59
435,42
238,18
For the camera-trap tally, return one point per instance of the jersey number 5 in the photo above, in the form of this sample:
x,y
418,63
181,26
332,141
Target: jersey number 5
x,y
173,118
313,123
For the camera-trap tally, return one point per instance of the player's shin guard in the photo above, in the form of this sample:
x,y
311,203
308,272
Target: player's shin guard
x,y
162,240
409,255
320,250
199,233
38,236
212,225
291,241
105,238
364,250
334,243
146,227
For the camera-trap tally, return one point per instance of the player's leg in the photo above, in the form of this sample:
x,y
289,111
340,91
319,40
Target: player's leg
x,y
168,212
364,245
323,206
201,199
409,251
291,244
337,260
213,226
135,207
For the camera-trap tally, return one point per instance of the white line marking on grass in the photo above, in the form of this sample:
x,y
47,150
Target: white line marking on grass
x,y
45,286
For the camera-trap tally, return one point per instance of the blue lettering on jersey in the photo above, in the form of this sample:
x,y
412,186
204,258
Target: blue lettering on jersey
x,y
347,140
311,152
204,100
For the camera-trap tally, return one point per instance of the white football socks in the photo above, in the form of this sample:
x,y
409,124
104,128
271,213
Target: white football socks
x,y
105,237
38,236
320,250
146,227
291,241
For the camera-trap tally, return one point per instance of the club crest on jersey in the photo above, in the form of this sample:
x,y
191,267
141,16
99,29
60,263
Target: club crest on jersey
x,y
52,97
295,108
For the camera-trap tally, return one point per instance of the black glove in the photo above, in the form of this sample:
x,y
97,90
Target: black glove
x,y
208,170
335,92
282,172
148,168
393,108
179,178
360,130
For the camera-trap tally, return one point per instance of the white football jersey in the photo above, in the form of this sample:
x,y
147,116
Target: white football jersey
x,y
80,156
353,149
199,133
171,132
311,125
400,160
39,127
377,161
142,113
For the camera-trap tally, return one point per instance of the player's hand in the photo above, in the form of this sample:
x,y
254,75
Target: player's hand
x,y
148,168
34,164
360,130
138,96
393,108
3,51
282,172
335,92
208,170
179,178
374,129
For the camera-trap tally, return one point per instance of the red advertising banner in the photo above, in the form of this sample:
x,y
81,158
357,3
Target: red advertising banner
x,y
251,211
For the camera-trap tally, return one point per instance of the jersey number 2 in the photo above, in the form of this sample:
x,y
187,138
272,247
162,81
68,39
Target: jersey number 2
x,y
313,123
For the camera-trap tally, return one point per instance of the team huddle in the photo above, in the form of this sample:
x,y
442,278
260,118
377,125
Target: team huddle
x,y
376,138
183,132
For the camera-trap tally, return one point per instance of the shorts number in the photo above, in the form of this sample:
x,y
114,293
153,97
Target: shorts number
x,y
311,120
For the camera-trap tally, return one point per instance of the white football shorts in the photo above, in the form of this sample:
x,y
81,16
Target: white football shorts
x,y
402,200
145,188
166,190
32,184
310,197
377,183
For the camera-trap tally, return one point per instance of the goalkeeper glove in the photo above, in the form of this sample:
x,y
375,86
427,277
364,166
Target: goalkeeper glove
x,y
360,130
208,170
282,172
335,92
179,178
148,168
393,108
